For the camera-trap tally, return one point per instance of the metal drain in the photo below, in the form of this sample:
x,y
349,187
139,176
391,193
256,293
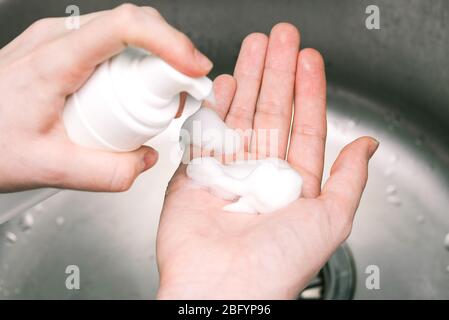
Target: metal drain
x,y
336,281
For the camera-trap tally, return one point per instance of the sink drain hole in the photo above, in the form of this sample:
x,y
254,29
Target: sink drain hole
x,y
335,281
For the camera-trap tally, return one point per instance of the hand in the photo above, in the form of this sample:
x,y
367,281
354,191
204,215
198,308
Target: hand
x,y
206,253
48,62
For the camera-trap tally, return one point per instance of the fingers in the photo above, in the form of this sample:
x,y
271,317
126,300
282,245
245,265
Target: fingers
x,y
91,170
78,52
343,189
308,137
224,90
274,108
248,74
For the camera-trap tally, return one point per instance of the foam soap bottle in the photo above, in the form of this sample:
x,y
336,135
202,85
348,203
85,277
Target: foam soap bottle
x,y
128,100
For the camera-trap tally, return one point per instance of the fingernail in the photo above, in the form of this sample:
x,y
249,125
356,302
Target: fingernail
x,y
373,147
149,159
202,60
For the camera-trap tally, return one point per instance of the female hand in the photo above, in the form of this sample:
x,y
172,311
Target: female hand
x,y
48,62
204,252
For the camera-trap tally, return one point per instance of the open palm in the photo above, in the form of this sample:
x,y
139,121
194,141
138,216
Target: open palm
x,y
205,252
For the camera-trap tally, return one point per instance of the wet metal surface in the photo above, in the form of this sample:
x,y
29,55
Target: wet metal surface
x,y
390,83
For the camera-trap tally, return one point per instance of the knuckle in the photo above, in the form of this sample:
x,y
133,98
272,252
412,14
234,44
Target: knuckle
x,y
308,130
69,69
185,46
272,108
152,11
41,25
238,112
127,13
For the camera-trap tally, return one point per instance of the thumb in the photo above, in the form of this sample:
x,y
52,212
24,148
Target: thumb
x,y
349,173
92,170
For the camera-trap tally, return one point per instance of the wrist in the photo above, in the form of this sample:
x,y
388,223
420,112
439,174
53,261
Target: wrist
x,y
227,289
193,289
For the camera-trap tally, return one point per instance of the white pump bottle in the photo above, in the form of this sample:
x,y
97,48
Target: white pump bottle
x,y
128,100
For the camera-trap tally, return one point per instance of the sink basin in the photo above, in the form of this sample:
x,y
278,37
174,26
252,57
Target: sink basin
x,y
389,83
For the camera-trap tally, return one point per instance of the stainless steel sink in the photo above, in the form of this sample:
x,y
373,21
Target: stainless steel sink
x,y
391,83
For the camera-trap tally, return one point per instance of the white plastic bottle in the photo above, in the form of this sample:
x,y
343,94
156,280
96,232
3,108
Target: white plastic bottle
x,y
128,100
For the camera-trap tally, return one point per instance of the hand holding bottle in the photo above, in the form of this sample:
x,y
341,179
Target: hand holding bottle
x,y
47,63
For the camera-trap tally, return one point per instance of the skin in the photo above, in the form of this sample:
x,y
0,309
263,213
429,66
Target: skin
x,y
47,63
203,252
206,253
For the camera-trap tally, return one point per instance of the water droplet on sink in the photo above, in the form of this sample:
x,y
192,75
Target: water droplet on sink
x,y
394,200
393,158
338,126
10,237
27,221
420,218
60,220
351,124
391,189
389,171
39,207
446,242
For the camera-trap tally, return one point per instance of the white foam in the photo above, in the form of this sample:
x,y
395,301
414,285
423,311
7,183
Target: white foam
x,y
205,129
259,186
255,186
